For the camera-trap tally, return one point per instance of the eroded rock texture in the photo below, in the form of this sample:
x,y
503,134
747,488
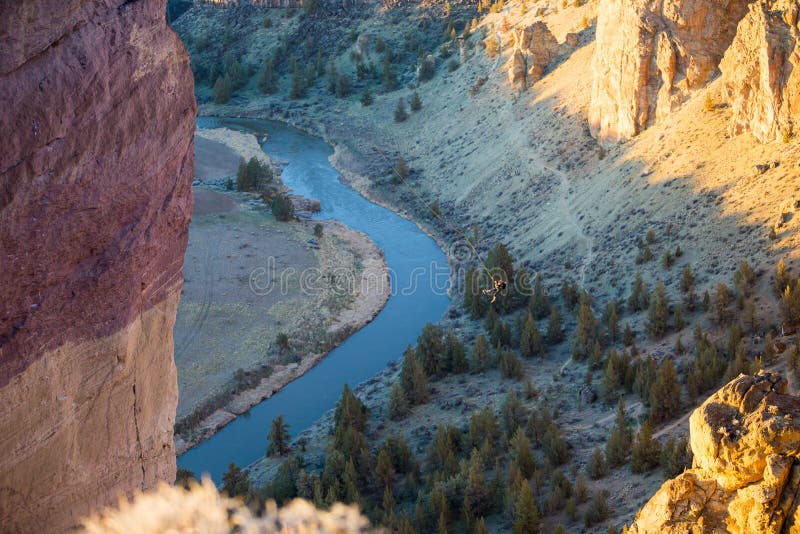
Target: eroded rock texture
x,y
746,473
649,56
534,47
761,71
95,199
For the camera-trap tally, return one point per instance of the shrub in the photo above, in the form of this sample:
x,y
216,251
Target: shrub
x,y
223,90
400,114
400,170
366,97
416,102
453,65
492,46
342,86
282,207
427,69
318,230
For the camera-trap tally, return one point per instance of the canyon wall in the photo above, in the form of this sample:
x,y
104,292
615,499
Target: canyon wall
x,y
95,199
746,472
761,71
649,56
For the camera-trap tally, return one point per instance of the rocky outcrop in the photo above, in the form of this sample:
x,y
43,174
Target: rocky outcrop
x,y
534,47
95,199
746,472
761,71
202,509
650,56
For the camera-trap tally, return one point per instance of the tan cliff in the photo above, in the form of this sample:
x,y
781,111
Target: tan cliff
x,y
761,71
746,471
649,57
95,199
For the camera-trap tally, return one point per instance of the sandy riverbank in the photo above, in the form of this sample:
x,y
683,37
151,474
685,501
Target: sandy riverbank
x,y
239,327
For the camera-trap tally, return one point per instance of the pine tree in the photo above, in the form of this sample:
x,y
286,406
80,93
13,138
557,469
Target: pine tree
x,y
585,333
598,509
480,354
782,278
400,114
384,470
413,378
679,324
476,490
596,468
430,350
455,359
267,81
520,447
223,90
687,279
366,97
639,298
278,438
658,312
646,451
613,376
555,334
235,481
531,338
611,319
665,394
526,513
619,441
539,303
416,102
722,300
398,402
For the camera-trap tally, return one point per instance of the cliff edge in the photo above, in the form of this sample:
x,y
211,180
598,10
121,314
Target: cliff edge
x,y
95,201
746,472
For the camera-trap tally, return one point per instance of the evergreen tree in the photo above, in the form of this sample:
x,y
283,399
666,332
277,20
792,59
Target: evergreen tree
x,y
613,376
585,333
687,279
235,482
455,357
679,324
723,297
384,470
278,438
223,90
782,278
646,452
400,114
596,468
476,490
298,87
267,80
611,319
416,102
389,78
473,298
531,338
744,278
618,444
526,513
282,207
480,354
598,509
366,97
398,402
413,378
658,312
676,456
539,303
639,298
342,86
628,337
430,350
555,334
665,394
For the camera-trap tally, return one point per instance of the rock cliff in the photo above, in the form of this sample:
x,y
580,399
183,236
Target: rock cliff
x,y
534,48
95,199
746,473
761,71
649,56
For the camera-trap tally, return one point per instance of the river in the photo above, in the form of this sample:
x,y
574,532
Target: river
x,y
419,277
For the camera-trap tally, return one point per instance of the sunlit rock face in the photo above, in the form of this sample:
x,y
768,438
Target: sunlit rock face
x,y
95,198
203,509
534,47
746,473
761,71
649,56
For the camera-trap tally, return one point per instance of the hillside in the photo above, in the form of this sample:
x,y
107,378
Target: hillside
x,y
587,178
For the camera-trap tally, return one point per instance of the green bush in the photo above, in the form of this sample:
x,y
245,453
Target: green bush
x,y
223,90
282,207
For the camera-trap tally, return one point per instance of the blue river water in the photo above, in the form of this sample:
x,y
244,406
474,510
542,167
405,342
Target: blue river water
x,y
419,277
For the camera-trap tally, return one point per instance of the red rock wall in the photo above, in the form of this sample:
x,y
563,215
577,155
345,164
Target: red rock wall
x,y
96,163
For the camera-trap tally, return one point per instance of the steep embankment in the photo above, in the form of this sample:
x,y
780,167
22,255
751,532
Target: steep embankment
x,y
95,200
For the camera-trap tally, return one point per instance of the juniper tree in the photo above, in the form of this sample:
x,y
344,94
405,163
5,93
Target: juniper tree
x,y
531,338
555,334
658,312
235,482
366,97
539,302
400,114
596,468
398,402
480,354
585,333
526,513
267,80
639,298
388,78
278,438
618,444
416,102
430,349
646,450
665,394
687,279
384,470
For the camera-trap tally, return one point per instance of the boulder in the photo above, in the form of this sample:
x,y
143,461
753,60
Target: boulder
x,y
746,472
761,71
